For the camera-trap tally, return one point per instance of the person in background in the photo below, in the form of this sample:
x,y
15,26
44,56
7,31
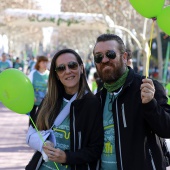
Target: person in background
x,y
88,66
94,83
135,111
17,64
39,78
22,64
97,83
69,119
4,63
31,65
129,58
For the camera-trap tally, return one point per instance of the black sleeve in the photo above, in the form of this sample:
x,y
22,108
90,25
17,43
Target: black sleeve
x,y
157,112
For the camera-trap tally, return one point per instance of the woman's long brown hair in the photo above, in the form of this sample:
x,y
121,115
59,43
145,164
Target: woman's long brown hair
x,y
51,104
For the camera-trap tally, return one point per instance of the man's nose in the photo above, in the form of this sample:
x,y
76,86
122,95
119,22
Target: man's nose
x,y
105,59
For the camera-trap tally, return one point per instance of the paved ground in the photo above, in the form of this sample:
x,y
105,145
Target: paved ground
x,y
14,152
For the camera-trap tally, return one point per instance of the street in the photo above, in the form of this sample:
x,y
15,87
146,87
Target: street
x,y
14,152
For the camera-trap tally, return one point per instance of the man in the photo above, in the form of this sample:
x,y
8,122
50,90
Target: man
x,y
4,63
135,111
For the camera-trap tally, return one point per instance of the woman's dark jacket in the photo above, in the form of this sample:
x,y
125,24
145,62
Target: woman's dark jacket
x,y
135,125
86,134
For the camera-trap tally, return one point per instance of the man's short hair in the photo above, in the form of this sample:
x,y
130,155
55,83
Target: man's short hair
x,y
108,37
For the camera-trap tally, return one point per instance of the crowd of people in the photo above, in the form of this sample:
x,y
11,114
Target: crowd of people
x,y
121,124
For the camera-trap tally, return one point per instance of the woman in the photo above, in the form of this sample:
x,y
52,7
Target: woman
x,y
76,132
39,78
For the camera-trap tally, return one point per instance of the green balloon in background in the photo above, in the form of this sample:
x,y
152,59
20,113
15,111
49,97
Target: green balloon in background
x,y
16,91
148,8
163,20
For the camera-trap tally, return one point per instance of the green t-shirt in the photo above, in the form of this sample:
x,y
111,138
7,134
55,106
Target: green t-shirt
x,y
108,158
4,65
62,134
17,65
39,82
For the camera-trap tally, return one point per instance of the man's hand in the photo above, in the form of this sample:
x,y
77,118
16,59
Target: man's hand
x,y
147,90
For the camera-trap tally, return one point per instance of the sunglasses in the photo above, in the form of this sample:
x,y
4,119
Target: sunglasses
x,y
109,54
72,65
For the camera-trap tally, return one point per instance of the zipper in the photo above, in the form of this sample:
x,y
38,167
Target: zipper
x,y
123,116
74,132
98,165
152,162
79,134
88,167
120,150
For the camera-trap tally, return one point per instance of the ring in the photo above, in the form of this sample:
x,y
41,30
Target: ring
x,y
52,153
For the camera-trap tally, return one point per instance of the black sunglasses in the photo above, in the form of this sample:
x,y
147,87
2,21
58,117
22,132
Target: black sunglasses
x,y
71,65
109,54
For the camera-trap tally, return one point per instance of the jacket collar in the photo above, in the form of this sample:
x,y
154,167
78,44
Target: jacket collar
x,y
129,78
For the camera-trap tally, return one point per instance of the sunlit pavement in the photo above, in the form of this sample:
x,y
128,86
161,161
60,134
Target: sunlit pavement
x,y
14,152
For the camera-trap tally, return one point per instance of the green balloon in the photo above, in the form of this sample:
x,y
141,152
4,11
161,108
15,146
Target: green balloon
x,y
163,20
16,91
148,8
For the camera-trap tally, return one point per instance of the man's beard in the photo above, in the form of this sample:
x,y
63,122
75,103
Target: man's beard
x,y
112,75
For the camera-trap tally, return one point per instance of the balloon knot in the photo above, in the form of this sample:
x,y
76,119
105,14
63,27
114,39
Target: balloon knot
x,y
166,36
154,18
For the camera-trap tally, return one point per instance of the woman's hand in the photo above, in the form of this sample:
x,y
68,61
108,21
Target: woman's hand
x,y
147,90
55,155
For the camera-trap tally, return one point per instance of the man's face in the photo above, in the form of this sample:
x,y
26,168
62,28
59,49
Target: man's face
x,y
110,70
3,57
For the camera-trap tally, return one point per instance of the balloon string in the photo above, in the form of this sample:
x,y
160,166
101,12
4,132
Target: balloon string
x,y
149,50
41,137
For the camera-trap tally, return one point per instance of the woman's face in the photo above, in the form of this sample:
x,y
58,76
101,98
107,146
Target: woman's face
x,y
43,65
68,72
